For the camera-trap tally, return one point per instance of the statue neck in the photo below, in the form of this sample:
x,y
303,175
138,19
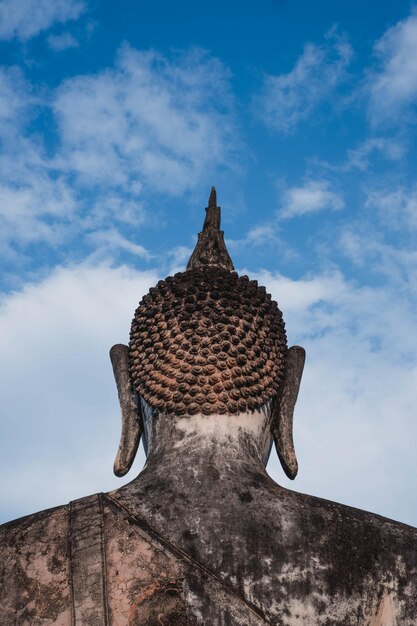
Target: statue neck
x,y
198,441
198,462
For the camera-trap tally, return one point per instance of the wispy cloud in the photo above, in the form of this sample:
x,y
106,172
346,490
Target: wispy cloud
x,y
34,197
366,155
16,99
311,197
62,42
288,99
393,86
24,19
369,249
260,235
397,207
108,241
359,157
177,259
148,125
165,123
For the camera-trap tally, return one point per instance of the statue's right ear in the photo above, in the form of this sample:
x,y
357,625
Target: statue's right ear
x,y
132,425
283,410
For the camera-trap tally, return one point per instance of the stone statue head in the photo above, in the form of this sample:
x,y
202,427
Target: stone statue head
x,y
207,341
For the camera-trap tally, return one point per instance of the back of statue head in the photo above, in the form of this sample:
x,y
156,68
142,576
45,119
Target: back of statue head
x,y
207,341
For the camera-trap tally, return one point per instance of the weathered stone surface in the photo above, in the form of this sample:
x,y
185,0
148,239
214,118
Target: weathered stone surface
x,y
217,543
146,579
34,582
203,536
211,250
130,407
87,564
288,558
283,410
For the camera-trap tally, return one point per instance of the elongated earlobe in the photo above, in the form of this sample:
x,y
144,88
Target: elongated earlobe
x,y
283,411
130,409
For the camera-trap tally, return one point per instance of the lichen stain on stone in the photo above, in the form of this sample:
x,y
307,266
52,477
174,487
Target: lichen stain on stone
x,y
34,585
213,604
146,581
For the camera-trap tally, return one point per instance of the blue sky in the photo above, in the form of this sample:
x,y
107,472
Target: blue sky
x,y
115,120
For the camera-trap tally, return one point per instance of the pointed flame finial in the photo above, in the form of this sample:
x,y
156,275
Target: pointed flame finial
x,y
211,249
213,197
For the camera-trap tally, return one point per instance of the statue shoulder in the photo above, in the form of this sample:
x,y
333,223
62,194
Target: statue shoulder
x,y
34,568
349,530
345,551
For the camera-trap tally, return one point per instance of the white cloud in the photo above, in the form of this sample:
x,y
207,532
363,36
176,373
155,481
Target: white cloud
x,y
62,42
288,99
313,196
106,241
34,197
367,155
381,242
147,126
25,210
60,414
376,254
396,208
358,158
166,123
178,258
393,87
355,427
261,235
25,19
15,98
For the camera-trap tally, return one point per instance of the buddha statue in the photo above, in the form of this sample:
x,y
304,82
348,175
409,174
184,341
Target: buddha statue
x,y
204,536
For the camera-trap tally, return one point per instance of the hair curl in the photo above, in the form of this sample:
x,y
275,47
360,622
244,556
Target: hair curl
x,y
207,341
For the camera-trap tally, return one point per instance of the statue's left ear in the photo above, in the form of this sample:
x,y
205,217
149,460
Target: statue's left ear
x,y
283,410
132,425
